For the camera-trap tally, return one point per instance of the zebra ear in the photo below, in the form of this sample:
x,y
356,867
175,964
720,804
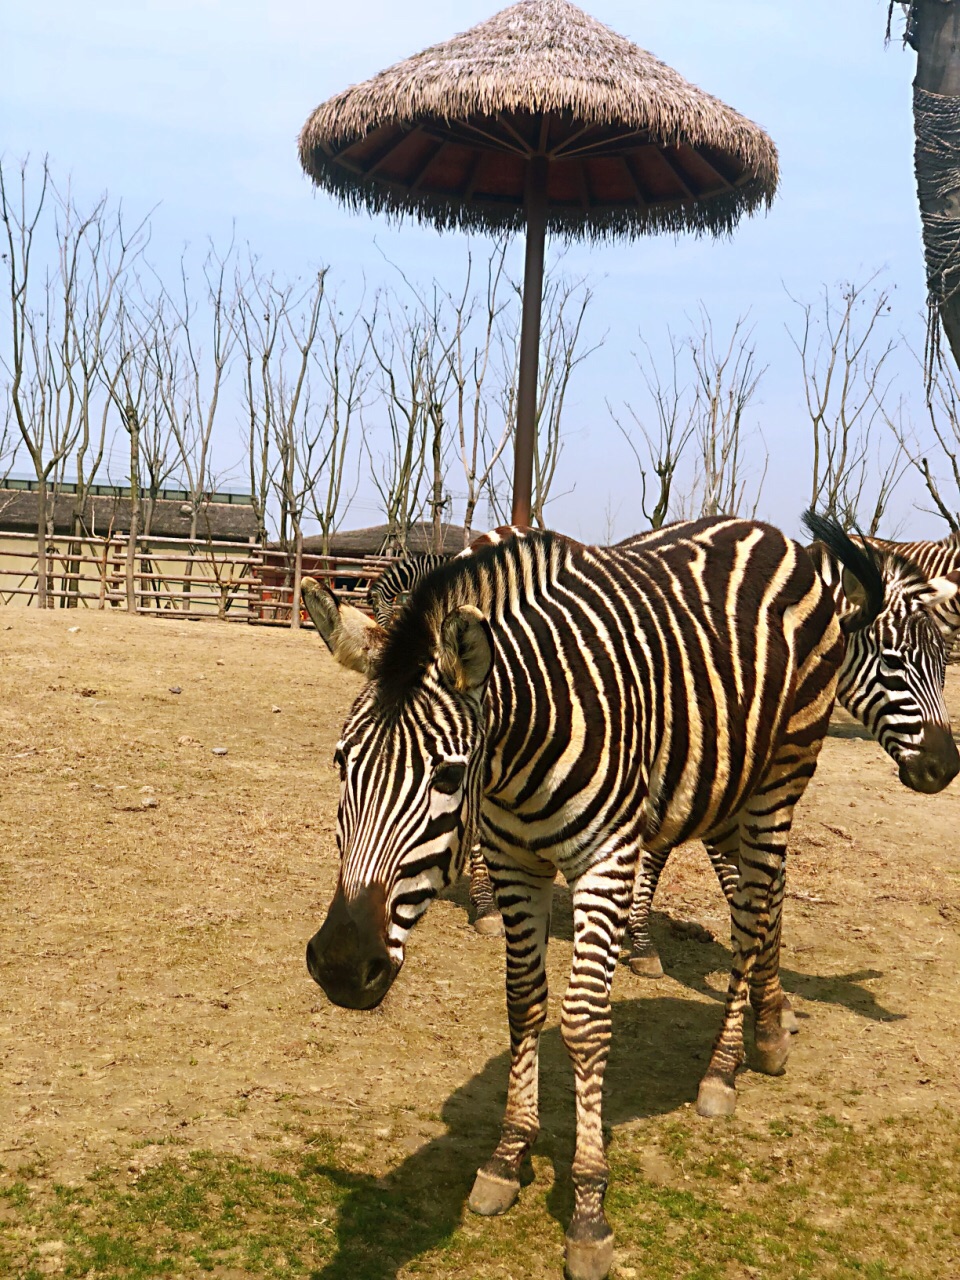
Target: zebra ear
x,y
854,590
940,590
465,653
352,637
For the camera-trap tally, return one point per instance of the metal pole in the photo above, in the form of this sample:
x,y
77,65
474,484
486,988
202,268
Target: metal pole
x,y
536,209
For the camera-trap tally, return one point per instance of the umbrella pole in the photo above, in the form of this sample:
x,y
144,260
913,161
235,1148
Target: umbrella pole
x,y
536,210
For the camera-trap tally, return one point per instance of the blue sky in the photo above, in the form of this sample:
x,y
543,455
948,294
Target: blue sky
x,y
194,108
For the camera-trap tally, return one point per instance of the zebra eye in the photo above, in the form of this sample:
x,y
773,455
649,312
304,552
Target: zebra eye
x,y
340,760
448,778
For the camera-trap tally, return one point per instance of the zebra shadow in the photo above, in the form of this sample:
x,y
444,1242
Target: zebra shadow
x,y
659,1052
704,966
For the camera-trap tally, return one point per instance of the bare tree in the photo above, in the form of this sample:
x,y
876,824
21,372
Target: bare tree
x,y
345,373
565,304
191,378
296,428
401,347
663,447
135,396
726,380
943,408
844,363
61,328
474,327
258,327
705,408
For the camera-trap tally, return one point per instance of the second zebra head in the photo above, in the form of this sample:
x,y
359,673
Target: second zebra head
x,y
894,666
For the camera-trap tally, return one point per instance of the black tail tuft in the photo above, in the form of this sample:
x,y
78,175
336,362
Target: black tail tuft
x,y
858,560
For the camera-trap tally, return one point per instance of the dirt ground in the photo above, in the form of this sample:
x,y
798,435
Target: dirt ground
x,y
157,898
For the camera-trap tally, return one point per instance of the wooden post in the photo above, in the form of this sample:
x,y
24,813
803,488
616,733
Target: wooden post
x,y
536,208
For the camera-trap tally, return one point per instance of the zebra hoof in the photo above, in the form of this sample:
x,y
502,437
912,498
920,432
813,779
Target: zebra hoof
x,y
491,1196
788,1020
589,1259
490,926
714,1098
771,1053
647,966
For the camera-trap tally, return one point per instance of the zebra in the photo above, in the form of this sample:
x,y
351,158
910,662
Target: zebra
x,y
891,680
386,598
569,703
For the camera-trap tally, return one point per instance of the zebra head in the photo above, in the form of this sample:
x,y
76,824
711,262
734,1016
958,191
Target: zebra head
x,y
410,759
894,666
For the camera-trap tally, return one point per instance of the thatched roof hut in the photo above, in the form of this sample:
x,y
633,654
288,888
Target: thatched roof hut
x,y
633,146
540,118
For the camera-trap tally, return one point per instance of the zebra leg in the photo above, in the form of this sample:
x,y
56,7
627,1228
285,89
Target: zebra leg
x,y
724,854
644,959
527,921
750,919
764,822
486,918
601,900
772,1032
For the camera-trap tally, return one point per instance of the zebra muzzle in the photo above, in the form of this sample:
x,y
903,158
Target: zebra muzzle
x,y
935,764
347,956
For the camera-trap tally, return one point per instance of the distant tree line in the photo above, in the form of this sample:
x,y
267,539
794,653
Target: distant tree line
x,y
407,389
228,371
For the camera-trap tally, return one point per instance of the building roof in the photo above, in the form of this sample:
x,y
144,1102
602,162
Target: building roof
x,y
371,541
226,518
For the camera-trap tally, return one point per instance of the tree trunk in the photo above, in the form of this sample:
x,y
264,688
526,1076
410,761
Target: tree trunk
x,y
297,575
934,31
437,502
42,562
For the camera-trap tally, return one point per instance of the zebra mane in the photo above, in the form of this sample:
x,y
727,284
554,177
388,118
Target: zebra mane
x,y
859,560
411,642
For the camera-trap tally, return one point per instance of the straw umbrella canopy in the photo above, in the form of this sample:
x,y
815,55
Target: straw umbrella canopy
x,y
541,119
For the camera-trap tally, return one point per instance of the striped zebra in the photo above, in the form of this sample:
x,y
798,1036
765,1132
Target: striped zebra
x,y
577,703
386,598
891,680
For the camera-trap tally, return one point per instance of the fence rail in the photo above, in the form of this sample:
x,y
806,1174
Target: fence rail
x,y
171,577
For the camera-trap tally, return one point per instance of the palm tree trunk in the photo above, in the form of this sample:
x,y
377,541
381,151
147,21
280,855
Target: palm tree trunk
x,y
934,31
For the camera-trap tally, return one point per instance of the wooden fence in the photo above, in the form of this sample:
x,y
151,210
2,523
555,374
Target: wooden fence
x,y
233,581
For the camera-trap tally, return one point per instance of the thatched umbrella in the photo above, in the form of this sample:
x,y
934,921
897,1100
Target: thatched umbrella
x,y
540,118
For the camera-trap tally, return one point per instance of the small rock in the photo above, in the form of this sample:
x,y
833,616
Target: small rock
x,y
73,629
221,663
275,710
186,741
149,802
175,688
146,791
219,751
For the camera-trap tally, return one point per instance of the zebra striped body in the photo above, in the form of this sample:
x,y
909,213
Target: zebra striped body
x,y
580,702
891,680
392,589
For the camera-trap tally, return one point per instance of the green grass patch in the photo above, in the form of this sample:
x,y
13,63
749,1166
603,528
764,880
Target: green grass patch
x,y
805,1201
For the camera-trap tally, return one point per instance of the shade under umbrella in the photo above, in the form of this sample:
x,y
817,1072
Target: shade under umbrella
x,y
540,118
